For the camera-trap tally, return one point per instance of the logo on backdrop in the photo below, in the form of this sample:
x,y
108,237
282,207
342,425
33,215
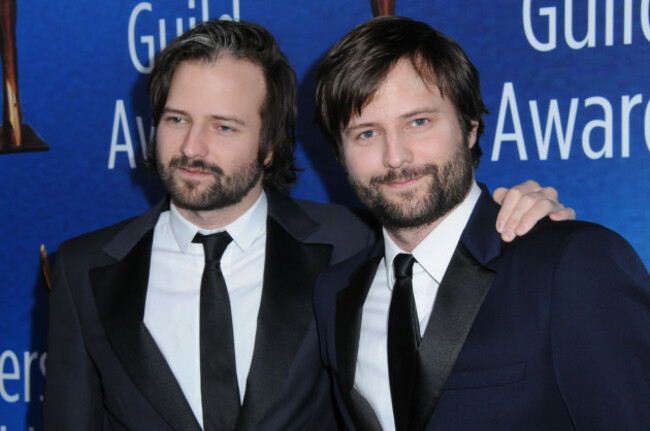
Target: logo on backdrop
x,y
610,20
577,126
15,136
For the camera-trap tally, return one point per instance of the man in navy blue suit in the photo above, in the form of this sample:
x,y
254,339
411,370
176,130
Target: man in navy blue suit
x,y
442,326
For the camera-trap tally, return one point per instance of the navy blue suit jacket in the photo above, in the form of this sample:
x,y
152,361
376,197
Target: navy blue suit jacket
x,y
104,370
550,332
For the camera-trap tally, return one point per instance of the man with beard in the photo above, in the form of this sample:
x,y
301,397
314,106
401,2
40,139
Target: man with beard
x,y
442,325
198,314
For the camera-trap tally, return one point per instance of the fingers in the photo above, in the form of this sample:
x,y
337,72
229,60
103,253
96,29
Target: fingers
x,y
563,214
509,199
524,205
529,186
499,195
522,222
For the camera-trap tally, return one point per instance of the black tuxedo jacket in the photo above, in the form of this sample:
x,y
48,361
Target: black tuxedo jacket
x,y
551,332
104,370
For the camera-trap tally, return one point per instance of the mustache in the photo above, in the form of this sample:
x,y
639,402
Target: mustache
x,y
185,162
405,174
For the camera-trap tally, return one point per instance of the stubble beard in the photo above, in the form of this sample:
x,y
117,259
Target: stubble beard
x,y
223,191
447,187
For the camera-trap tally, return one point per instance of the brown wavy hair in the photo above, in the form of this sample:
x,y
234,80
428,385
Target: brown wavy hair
x,y
205,43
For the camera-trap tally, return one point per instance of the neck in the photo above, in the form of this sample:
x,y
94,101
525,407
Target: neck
x,y
409,238
220,217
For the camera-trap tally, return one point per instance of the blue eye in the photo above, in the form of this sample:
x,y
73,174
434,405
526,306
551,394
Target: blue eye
x,y
367,134
420,122
225,128
175,120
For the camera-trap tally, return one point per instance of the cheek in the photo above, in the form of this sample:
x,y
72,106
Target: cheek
x,y
240,153
249,147
165,141
360,164
437,147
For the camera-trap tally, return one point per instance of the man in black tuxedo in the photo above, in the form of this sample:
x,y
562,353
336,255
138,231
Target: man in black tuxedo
x,y
442,325
151,328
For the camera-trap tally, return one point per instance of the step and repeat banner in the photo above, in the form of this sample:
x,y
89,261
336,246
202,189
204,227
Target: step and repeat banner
x,y
567,83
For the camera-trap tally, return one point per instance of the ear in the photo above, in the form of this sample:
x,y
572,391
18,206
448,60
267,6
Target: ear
x,y
471,137
268,158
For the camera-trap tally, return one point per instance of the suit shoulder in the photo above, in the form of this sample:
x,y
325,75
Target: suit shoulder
x,y
335,215
93,239
343,270
547,230
348,230
131,228
578,244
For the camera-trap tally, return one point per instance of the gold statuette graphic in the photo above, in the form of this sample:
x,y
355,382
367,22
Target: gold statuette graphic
x,y
382,7
45,267
14,135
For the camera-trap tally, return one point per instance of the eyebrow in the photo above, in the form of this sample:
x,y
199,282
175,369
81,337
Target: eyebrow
x,y
419,111
236,120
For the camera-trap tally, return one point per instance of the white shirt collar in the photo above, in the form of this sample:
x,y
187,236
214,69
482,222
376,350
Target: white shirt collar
x,y
244,230
436,250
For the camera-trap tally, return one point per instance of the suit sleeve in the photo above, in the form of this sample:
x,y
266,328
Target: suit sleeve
x,y
601,332
73,393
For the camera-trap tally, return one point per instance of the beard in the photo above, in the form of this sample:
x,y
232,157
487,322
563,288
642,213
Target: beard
x,y
448,185
223,191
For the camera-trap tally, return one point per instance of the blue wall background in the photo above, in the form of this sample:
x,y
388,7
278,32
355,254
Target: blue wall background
x,y
82,74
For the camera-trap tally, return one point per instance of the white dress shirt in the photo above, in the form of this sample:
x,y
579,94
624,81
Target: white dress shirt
x,y
173,295
433,255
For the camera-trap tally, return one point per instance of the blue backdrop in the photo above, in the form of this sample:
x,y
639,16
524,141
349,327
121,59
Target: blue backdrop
x,y
566,83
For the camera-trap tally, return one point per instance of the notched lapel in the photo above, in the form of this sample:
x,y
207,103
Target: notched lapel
x,y
349,307
120,292
459,298
286,311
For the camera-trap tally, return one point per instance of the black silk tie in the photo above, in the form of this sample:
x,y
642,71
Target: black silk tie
x,y
219,388
403,340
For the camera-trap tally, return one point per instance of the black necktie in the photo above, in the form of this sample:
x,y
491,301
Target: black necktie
x,y
403,340
219,389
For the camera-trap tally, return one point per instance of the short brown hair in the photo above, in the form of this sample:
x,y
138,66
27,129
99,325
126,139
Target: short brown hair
x,y
356,66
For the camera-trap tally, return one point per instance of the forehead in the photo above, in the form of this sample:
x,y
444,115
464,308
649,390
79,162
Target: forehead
x,y
225,80
403,84
406,70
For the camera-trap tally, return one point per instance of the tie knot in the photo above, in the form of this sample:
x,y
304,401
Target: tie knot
x,y
403,265
214,244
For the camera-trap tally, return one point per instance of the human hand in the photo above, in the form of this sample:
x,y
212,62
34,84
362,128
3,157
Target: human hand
x,y
524,205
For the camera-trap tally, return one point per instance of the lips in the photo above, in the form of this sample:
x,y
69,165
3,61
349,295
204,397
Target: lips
x,y
401,178
403,182
196,167
193,170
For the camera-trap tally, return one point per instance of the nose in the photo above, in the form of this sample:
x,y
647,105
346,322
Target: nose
x,y
397,154
195,143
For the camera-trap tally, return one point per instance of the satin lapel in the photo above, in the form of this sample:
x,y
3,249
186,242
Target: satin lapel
x,y
363,415
120,293
349,307
286,311
459,298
